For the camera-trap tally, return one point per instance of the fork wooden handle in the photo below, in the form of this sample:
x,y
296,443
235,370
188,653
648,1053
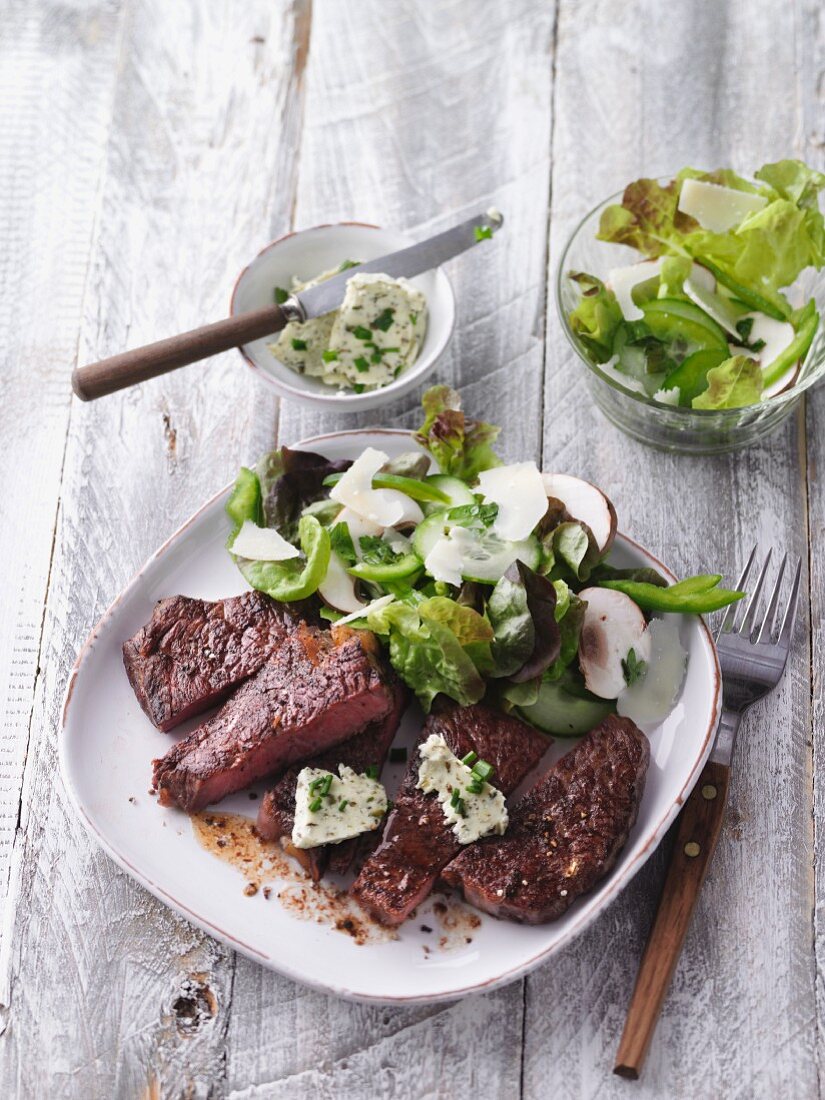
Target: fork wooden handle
x,y
130,367
696,835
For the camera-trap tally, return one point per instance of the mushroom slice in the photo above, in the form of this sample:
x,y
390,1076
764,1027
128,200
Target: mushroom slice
x,y
613,625
338,587
585,503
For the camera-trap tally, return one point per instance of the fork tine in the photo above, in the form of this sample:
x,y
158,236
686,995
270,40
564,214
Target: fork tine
x,y
790,611
730,614
753,602
768,627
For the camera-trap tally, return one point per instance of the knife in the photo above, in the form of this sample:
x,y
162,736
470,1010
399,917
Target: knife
x,y
130,367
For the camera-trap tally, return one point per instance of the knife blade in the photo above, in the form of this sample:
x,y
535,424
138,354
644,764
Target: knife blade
x,y
408,262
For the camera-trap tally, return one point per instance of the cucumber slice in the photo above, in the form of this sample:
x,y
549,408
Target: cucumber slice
x,y
452,491
558,712
487,558
691,376
671,318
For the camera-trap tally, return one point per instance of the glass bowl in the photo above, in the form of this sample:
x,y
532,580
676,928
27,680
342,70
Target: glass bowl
x,y
668,427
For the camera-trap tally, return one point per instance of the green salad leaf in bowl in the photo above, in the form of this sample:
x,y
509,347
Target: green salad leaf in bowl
x,y
480,580
698,302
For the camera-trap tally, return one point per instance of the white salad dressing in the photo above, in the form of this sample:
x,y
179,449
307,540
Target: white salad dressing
x,y
376,333
651,698
352,804
441,771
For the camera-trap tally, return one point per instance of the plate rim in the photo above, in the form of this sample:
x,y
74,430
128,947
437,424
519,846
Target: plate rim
x,y
613,889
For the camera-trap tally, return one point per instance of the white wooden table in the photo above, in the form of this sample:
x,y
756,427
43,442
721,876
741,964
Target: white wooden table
x,y
148,148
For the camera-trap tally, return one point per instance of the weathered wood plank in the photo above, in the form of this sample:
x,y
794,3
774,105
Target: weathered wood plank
x,y
740,1017
56,83
415,116
111,995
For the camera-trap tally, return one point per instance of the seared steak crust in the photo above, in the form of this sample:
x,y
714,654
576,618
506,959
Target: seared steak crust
x,y
314,692
565,834
276,814
191,653
417,840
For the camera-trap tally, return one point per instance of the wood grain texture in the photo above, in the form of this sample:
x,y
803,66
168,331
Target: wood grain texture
x,y
739,1020
694,845
57,77
110,994
147,151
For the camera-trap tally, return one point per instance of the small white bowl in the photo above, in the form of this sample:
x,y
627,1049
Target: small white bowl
x,y
307,254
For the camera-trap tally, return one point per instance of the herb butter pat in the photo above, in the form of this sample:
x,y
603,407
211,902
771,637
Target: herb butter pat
x,y
330,808
471,805
377,332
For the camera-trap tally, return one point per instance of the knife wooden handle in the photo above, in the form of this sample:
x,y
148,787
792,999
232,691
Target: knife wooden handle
x,y
130,367
696,835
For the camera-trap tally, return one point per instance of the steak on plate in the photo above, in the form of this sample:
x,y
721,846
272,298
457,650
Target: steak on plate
x,y
565,834
417,841
276,814
192,653
316,690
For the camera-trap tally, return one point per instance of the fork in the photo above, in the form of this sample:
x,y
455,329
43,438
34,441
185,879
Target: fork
x,y
752,657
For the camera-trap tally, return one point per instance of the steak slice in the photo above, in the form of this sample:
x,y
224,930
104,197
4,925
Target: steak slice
x,y
315,691
192,653
417,840
276,814
565,834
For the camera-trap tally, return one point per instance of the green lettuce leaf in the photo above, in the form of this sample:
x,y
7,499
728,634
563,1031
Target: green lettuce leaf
x,y
570,628
794,181
597,317
521,609
296,578
461,446
767,252
427,654
733,384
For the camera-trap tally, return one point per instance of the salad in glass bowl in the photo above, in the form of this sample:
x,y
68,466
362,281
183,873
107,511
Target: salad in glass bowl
x,y
695,302
479,580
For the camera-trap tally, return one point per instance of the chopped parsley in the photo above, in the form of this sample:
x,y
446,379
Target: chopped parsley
x,y
340,540
377,552
347,264
281,295
633,668
299,345
359,387
744,327
483,232
361,364
361,332
329,356
384,319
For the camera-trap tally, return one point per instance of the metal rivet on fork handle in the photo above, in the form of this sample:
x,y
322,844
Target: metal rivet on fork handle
x,y
709,792
692,849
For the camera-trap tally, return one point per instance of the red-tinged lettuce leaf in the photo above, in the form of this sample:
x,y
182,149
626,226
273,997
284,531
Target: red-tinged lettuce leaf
x,y
526,637
291,480
732,385
461,446
647,219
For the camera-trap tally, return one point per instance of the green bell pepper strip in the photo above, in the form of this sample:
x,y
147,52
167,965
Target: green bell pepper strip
x,y
410,486
796,350
295,578
743,293
244,501
383,572
677,598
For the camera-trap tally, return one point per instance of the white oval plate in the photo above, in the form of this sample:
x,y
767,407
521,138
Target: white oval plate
x,y
107,744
